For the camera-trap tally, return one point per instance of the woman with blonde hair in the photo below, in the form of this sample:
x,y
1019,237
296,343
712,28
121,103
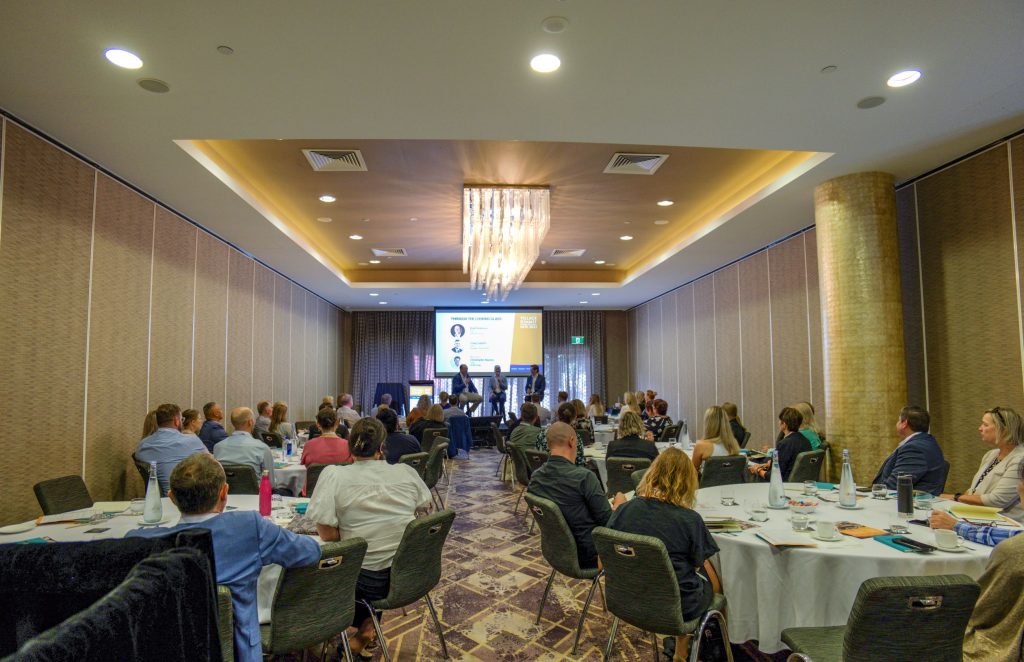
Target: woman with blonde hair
x,y
629,403
278,423
419,411
596,407
631,440
149,425
718,440
641,403
809,428
663,508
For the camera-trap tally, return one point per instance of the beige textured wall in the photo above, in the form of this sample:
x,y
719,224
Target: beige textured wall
x,y
114,305
616,354
749,333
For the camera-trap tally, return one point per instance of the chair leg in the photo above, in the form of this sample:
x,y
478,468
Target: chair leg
x,y
346,647
544,598
654,646
440,501
533,520
515,511
437,624
611,639
380,631
583,614
699,635
604,600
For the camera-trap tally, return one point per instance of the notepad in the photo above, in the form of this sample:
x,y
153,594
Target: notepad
x,y
858,530
982,513
83,515
111,506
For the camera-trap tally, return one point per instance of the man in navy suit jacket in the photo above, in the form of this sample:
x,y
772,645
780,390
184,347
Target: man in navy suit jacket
x,y
463,386
918,454
535,382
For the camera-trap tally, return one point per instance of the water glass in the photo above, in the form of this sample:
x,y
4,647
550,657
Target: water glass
x,y
800,522
138,506
924,502
879,491
758,510
810,488
727,494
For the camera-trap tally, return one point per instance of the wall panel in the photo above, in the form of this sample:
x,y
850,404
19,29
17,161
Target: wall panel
x,y
757,405
282,338
241,277
790,344
910,284
814,326
704,323
210,364
171,311
685,361
296,369
727,334
312,397
263,336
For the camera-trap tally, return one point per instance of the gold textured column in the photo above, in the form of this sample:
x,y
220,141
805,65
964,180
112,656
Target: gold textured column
x,y
862,325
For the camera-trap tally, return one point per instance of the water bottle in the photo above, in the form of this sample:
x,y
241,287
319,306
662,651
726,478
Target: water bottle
x,y
288,448
154,511
905,496
265,493
847,487
776,492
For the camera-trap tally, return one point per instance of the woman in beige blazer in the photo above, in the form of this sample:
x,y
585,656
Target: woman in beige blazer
x,y
995,483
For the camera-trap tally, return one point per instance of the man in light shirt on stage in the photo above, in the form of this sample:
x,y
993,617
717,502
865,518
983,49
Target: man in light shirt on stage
x,y
497,385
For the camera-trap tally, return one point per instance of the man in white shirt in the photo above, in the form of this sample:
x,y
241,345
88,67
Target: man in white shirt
x,y
242,448
345,411
543,413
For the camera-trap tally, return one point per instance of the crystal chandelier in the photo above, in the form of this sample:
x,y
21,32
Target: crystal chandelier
x,y
502,229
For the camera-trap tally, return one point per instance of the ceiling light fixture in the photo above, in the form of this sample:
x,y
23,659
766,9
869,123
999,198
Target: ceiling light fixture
x,y
870,102
598,261
374,261
595,294
324,219
414,219
502,229
661,222
122,58
626,237
374,294
583,302
327,197
903,78
355,237
665,203
383,303
363,264
545,63
225,50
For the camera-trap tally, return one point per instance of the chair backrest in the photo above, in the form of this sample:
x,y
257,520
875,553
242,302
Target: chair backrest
x,y
519,463
671,432
430,436
313,472
273,439
459,432
143,468
807,466
434,464
620,473
556,540
636,477
934,608
602,419
640,584
587,433
512,419
499,438
745,439
535,458
300,617
726,470
242,478
225,623
417,461
416,567
303,425
60,495
945,475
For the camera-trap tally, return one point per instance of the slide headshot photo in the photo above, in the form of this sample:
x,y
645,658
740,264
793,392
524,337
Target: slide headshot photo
x,y
458,331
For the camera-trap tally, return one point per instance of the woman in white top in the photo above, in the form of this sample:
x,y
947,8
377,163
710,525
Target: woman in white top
x,y
369,499
995,484
596,407
718,438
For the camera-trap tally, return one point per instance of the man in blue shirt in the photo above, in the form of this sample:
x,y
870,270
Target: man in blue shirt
x,y
242,448
167,446
243,542
213,428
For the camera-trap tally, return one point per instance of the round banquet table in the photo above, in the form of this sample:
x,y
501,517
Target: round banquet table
x,y
292,475
599,454
771,588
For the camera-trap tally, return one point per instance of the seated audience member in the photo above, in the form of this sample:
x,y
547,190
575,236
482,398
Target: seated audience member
x,y
328,400
190,422
419,411
525,434
433,420
346,413
453,408
574,489
263,413
994,629
995,484
149,425
279,421
243,542
314,429
643,404
167,446
663,508
543,413
732,411
397,443
629,403
792,444
595,408
718,440
370,499
809,428
464,387
563,396
445,400
980,533
242,448
566,413
657,420
213,427
329,447
582,423
632,441
918,454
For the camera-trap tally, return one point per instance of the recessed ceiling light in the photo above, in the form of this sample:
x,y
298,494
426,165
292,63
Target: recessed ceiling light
x,y
154,85
870,102
383,303
903,78
485,302
374,261
665,203
626,237
582,301
554,24
225,50
327,197
366,220
661,222
598,261
830,69
355,237
324,219
545,63
414,219
363,264
374,294
122,58
595,294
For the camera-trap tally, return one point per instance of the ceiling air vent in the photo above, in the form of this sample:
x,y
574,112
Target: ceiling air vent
x,y
335,160
568,252
389,252
623,163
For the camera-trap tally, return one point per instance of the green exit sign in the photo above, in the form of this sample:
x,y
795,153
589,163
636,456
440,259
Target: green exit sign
x,y
577,340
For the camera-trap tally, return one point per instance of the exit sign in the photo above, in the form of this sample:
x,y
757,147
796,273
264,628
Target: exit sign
x,y
577,340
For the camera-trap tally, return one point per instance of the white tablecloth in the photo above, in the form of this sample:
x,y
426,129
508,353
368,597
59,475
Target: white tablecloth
x,y
598,453
770,589
292,476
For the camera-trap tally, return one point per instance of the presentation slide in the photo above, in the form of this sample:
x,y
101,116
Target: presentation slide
x,y
482,339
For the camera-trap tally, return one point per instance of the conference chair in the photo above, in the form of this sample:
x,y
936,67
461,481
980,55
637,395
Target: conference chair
x,y
499,442
303,425
671,432
242,478
273,439
520,471
299,619
641,589
826,473
225,623
460,435
587,433
807,466
417,461
432,470
61,495
313,472
896,618
723,471
143,468
745,439
945,475
798,657
415,570
620,472
535,458
636,477
601,420
558,546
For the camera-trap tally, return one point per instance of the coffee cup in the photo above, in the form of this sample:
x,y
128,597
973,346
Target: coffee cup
x,y
826,530
946,539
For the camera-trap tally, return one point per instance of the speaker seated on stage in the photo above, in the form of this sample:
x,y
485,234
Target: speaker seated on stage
x,y
464,387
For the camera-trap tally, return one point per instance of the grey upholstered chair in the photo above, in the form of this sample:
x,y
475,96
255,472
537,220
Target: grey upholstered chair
x,y
303,425
299,617
61,495
826,470
143,468
499,442
642,590
726,470
432,470
559,549
896,618
272,439
415,570
313,472
671,432
636,477
520,471
242,478
745,439
225,623
417,461
535,458
620,472
807,466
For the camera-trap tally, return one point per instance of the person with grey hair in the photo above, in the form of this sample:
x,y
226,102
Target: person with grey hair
x,y
345,412
242,448
496,386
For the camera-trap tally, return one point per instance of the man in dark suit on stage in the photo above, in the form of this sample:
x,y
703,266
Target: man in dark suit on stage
x,y
535,382
918,454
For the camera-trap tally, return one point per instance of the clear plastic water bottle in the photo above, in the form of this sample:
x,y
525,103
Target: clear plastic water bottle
x,y
154,511
776,492
265,494
288,448
847,487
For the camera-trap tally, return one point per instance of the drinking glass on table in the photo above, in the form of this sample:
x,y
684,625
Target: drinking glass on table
x,y
879,491
727,494
810,488
757,510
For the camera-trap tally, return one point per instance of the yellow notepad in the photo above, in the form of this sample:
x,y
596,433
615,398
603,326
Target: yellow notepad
x,y
984,513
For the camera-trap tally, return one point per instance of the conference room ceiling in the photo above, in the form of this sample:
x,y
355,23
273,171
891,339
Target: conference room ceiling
x,y
396,78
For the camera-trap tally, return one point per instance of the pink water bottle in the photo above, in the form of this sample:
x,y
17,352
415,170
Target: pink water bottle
x,y
265,494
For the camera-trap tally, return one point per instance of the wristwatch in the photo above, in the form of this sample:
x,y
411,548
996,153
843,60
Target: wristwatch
x,y
956,497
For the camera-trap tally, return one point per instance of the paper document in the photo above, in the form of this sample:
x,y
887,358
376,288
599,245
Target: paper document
x,y
83,515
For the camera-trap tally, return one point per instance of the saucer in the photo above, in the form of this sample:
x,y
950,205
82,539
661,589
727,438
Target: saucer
x,y
165,520
785,506
859,506
837,538
951,550
18,528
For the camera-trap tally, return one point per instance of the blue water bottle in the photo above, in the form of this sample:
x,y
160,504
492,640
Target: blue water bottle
x,y
288,448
